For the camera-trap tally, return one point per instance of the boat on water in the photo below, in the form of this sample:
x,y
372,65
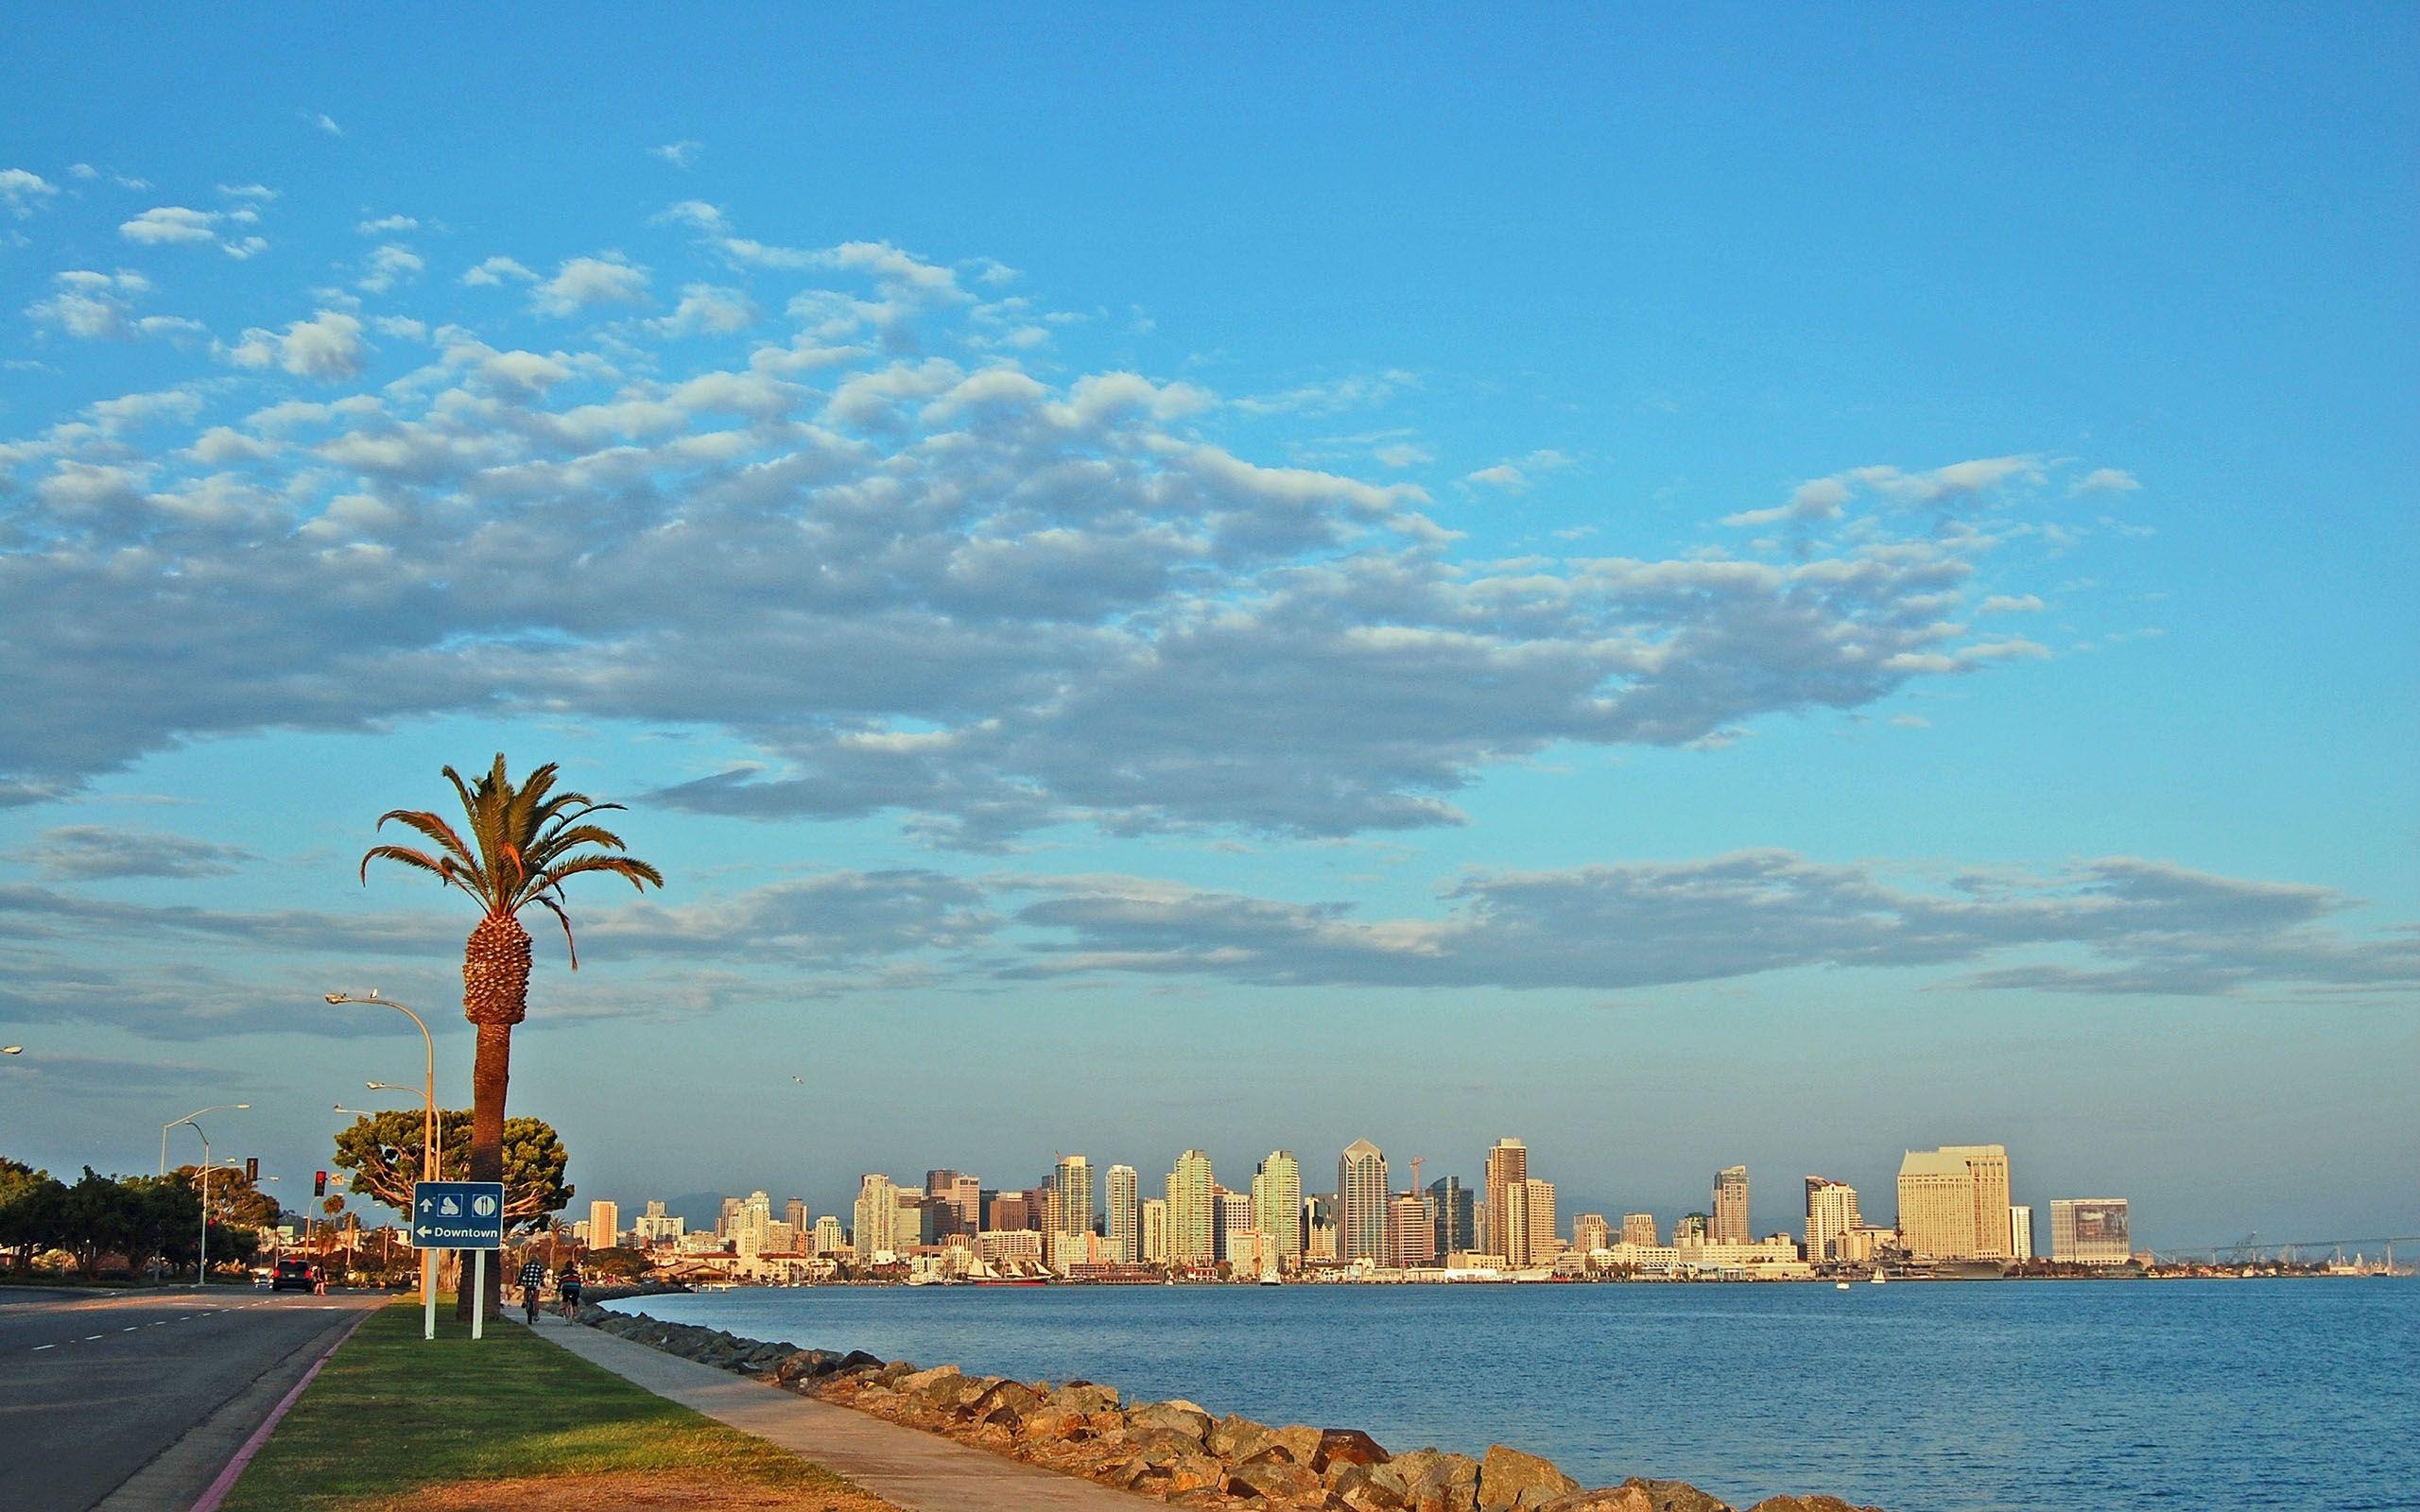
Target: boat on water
x,y
1875,1278
1839,1286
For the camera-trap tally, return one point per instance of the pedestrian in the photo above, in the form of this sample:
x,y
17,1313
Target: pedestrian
x,y
567,1287
533,1278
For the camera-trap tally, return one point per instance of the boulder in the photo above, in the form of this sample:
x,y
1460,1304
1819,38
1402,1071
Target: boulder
x,y
1677,1496
1003,1401
1345,1446
1083,1398
1178,1417
859,1360
1510,1480
1048,1423
1190,1473
1357,1491
1301,1444
1273,1479
940,1385
1626,1498
1235,1439
1448,1484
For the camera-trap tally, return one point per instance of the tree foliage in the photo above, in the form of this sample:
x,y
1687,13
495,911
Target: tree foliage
x,y
383,1151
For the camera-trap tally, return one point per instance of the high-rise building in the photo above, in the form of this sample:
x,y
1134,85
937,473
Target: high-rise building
x,y
1452,1208
1193,1234
1953,1202
1831,1212
1361,1204
2020,1233
829,1240
1591,1232
1071,1193
1155,1231
794,1213
1639,1229
1235,1223
2091,1231
1508,1166
730,1207
1125,1214
878,1217
954,1203
1540,1239
1731,1206
1278,1205
1318,1226
1692,1228
604,1225
1411,1232
1011,1213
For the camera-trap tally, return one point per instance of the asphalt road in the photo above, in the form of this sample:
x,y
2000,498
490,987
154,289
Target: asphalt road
x,y
94,1389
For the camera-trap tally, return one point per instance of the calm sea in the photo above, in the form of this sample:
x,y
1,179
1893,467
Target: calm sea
x,y
2043,1397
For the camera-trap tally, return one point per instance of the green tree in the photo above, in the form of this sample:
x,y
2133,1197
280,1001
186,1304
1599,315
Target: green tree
x,y
32,1211
525,843
383,1152
233,1199
102,1215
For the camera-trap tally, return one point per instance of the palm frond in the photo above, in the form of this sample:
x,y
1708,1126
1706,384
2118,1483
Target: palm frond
x,y
445,868
570,945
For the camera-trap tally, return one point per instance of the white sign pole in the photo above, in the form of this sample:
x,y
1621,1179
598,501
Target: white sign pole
x,y
479,1290
428,1292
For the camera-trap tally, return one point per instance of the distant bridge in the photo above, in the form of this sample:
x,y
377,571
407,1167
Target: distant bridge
x,y
2253,1249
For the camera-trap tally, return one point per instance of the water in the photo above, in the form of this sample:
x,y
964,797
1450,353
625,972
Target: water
x,y
2043,1397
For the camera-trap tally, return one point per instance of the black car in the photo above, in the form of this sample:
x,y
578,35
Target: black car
x,y
294,1276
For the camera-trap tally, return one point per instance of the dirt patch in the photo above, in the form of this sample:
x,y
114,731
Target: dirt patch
x,y
628,1491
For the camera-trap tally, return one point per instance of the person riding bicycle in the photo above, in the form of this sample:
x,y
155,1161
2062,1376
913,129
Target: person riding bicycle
x,y
567,1287
533,1278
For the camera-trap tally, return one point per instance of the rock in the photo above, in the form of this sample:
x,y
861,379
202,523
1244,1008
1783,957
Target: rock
x,y
1301,1444
1179,1416
1348,1446
1448,1484
859,1360
1677,1496
1083,1398
938,1386
1357,1491
1003,1401
1626,1498
1160,1446
1235,1439
1808,1503
1272,1480
1510,1480
1048,1423
1191,1473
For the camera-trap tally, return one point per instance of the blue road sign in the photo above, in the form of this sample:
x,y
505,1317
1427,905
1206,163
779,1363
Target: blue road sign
x,y
458,1215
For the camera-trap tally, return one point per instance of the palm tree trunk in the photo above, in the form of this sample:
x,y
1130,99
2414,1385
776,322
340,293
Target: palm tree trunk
x,y
490,1071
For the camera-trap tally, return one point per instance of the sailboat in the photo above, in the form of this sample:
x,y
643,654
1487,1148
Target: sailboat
x,y
1875,1278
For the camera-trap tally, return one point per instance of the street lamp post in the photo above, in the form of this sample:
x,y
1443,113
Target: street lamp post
x,y
428,1143
201,1268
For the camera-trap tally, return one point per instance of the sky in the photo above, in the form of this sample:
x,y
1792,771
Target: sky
x,y
1759,586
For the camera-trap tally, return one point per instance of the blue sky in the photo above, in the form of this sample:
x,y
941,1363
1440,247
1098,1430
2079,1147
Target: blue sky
x,y
1760,587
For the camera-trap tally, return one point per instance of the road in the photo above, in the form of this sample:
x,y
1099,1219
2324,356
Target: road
x,y
93,1390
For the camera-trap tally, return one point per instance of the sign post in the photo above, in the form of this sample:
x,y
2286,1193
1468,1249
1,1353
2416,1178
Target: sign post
x,y
459,1215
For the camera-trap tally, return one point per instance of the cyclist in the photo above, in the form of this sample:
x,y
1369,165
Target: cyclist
x,y
567,1287
533,1278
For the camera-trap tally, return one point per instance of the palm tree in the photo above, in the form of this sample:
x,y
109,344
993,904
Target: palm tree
x,y
525,842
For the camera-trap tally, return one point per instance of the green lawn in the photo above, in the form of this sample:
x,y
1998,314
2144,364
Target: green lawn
x,y
393,1414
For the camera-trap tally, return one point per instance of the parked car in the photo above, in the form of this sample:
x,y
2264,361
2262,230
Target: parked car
x,y
294,1276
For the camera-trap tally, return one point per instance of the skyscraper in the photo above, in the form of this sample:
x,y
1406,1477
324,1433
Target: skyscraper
x,y
793,1213
1953,1202
1451,1206
1591,1232
1638,1228
1155,1231
1831,1212
1412,1233
1361,1204
604,1225
878,1217
1071,1193
1539,1239
1508,1166
1125,1214
958,1199
1692,1228
829,1240
1731,1206
2020,1232
2091,1231
1278,1205
1192,1219
1235,1224
1988,1163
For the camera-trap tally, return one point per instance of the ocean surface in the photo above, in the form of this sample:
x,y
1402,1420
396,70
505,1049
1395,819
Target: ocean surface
x,y
1992,1396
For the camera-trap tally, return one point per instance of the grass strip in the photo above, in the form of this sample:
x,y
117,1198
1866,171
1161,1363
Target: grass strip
x,y
397,1421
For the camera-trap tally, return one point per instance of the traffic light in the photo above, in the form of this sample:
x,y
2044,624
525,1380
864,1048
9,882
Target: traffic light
x,y
319,1185
252,1169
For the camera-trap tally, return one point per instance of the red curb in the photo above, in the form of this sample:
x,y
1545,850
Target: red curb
x,y
227,1478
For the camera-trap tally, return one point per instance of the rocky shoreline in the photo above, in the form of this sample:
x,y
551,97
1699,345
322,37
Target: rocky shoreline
x,y
1174,1451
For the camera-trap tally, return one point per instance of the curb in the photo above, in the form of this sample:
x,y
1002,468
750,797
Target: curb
x,y
226,1479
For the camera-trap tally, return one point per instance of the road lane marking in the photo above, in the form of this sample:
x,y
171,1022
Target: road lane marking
x,y
129,1328
39,1347
88,1338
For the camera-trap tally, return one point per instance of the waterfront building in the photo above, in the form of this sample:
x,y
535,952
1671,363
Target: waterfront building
x,y
1454,1211
1773,1258
1638,1228
1540,1241
1125,1215
1411,1232
1013,1249
829,1240
794,1213
1831,1212
1508,1166
1319,1227
2020,1232
1731,1206
1071,1196
723,1219
1009,1211
2091,1231
958,1199
1694,1227
1278,1205
878,1217
1361,1204
604,1225
1193,1236
1153,1230
1953,1202
1235,1221
1590,1231
656,1227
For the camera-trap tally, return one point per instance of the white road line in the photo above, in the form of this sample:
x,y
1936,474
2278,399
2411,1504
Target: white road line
x,y
88,1338
130,1328
39,1347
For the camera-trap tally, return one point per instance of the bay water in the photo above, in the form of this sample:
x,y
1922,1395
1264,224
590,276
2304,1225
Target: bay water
x,y
1973,1396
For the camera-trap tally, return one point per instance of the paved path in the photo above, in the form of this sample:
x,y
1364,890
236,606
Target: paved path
x,y
914,1470
134,1400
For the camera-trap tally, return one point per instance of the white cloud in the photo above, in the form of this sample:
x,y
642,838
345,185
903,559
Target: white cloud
x,y
585,283
181,226
708,309
2105,480
1402,455
1502,476
385,225
2010,603
327,348
323,122
492,273
678,154
258,193
93,307
1357,391
23,191
388,265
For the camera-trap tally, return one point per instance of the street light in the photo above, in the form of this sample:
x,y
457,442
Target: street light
x,y
201,1264
429,1149
219,1107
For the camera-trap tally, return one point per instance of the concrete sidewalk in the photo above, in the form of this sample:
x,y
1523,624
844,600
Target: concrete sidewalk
x,y
914,1470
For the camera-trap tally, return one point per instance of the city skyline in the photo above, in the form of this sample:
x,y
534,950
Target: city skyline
x,y
1515,585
